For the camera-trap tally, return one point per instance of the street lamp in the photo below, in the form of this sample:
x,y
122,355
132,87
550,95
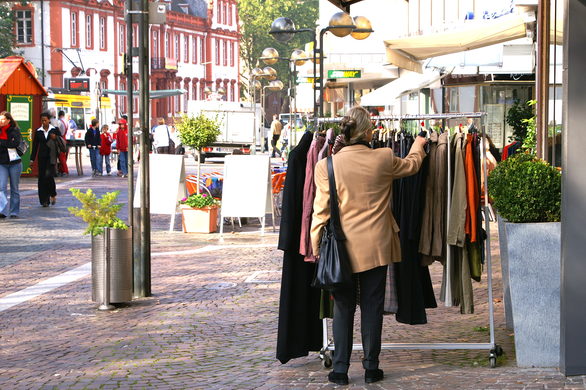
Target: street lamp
x,y
298,58
341,24
257,74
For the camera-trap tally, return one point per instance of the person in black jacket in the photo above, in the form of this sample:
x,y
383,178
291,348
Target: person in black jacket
x,y
10,166
93,142
45,136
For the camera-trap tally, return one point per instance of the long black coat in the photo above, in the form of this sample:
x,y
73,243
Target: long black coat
x,y
300,329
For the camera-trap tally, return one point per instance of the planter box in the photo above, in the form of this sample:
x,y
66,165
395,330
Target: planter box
x,y
120,266
199,220
533,257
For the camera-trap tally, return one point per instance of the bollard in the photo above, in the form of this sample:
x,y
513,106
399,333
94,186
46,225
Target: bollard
x,y
105,305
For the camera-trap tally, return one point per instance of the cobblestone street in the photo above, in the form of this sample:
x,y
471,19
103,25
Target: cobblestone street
x,y
212,320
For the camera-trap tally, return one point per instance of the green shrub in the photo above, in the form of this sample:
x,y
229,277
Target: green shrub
x,y
198,132
199,201
98,213
526,189
517,118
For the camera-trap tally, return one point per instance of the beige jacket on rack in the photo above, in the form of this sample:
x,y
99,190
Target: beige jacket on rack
x,y
364,179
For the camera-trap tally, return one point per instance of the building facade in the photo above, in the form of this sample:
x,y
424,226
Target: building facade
x,y
196,49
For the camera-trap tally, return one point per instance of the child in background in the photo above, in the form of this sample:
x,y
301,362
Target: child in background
x,y
105,150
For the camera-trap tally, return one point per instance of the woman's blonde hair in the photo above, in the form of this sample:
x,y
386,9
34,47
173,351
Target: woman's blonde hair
x,y
355,124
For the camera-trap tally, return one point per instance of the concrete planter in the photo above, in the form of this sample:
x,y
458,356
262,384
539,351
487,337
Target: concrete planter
x,y
532,254
120,278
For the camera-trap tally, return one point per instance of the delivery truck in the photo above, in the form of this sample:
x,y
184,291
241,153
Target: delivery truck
x,y
238,122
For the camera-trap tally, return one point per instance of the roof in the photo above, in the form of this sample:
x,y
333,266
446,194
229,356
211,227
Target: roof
x,y
19,78
344,5
197,8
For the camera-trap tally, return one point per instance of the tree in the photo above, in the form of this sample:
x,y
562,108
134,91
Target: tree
x,y
6,31
256,17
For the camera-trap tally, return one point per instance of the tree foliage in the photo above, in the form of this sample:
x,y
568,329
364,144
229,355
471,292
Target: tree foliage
x,y
256,17
517,119
7,37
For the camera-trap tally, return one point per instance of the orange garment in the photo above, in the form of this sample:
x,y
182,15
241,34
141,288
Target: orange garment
x,y
472,193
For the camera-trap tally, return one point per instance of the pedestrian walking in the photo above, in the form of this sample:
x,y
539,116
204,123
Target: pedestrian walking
x,y
276,127
162,137
122,146
10,166
364,179
106,140
93,142
44,151
63,126
285,138
72,127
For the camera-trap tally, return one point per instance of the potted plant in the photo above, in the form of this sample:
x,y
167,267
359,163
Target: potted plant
x,y
198,132
101,213
526,192
200,213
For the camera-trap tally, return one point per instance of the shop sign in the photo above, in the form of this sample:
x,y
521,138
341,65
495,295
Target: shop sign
x,y
170,63
344,74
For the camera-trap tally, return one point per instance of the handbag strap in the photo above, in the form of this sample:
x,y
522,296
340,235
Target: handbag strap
x,y
334,209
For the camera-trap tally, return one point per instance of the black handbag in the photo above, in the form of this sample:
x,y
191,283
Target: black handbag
x,y
333,271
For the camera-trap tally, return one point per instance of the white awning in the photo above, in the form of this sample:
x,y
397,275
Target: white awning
x,y
386,94
405,52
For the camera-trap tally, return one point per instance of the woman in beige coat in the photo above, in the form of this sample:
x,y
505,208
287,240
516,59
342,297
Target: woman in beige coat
x,y
364,179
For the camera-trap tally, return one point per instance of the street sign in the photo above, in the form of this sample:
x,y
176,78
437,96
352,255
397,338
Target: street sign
x,y
344,74
157,12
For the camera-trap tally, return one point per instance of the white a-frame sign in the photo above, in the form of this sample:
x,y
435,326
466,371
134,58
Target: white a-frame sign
x,y
167,184
246,191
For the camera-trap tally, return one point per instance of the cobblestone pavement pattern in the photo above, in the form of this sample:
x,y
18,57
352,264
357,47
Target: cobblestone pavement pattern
x,y
212,320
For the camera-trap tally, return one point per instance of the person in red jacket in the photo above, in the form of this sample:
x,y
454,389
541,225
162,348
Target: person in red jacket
x,y
122,146
105,150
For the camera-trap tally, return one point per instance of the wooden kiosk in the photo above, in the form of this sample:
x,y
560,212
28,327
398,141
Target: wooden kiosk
x,y
21,94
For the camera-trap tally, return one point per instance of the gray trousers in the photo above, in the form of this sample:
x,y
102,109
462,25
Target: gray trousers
x,y
372,296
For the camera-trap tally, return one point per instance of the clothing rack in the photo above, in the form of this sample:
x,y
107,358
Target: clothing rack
x,y
494,349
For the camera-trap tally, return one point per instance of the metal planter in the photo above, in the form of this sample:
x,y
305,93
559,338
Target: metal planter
x,y
120,266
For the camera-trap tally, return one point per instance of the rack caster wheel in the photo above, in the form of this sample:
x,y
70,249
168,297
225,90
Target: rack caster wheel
x,y
498,350
492,361
326,359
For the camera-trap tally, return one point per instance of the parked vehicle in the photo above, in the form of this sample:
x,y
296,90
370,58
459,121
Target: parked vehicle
x,y
237,124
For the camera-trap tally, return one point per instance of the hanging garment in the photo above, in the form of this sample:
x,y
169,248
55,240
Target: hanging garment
x,y
325,150
414,288
299,328
460,285
308,197
432,240
472,190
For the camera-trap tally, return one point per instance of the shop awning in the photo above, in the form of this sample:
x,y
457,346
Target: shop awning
x,y
161,93
386,94
405,52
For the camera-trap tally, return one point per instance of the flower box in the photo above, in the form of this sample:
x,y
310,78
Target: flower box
x,y
204,220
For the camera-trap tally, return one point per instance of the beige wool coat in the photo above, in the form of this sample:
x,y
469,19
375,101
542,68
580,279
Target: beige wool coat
x,y
364,179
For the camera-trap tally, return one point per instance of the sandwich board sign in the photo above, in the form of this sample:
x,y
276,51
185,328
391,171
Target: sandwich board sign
x,y
246,191
167,184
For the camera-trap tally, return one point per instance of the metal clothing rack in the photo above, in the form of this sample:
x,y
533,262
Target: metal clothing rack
x,y
495,350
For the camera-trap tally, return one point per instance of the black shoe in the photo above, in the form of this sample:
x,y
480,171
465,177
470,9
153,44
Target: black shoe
x,y
53,200
371,376
2,216
338,378
14,216
46,204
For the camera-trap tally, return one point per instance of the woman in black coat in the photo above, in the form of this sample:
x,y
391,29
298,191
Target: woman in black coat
x,y
45,136
10,166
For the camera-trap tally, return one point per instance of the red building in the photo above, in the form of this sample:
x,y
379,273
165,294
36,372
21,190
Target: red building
x,y
195,50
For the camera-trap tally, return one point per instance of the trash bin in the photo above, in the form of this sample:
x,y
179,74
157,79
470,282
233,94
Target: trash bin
x,y
120,267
